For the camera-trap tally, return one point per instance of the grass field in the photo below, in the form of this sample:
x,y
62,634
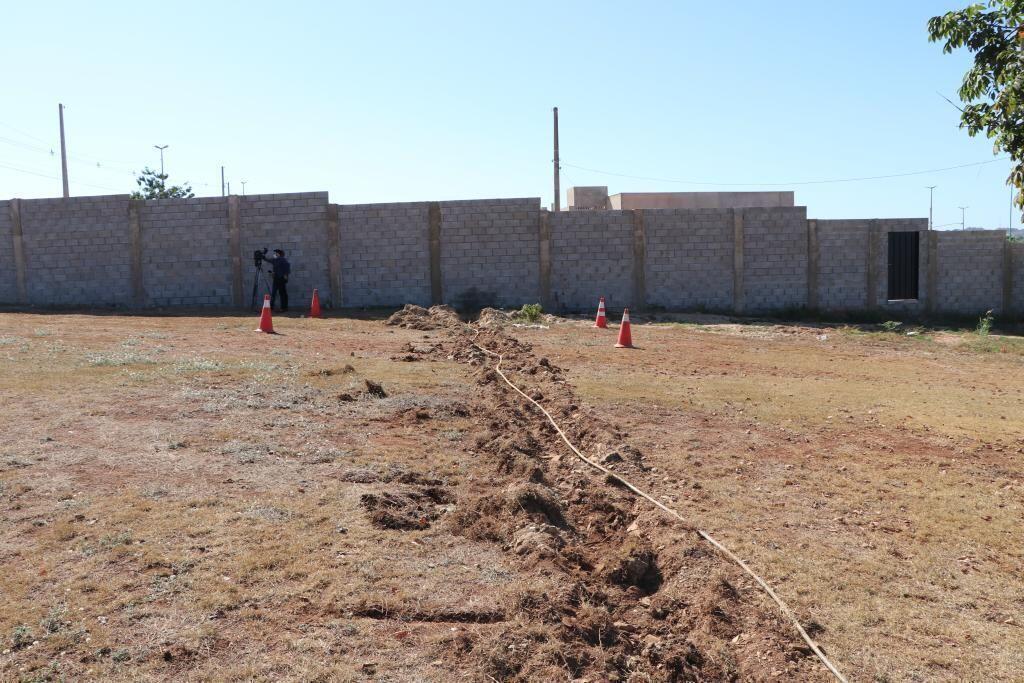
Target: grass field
x,y
181,498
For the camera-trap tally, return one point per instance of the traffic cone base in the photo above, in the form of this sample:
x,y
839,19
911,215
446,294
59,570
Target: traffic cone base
x,y
625,335
314,309
602,319
266,322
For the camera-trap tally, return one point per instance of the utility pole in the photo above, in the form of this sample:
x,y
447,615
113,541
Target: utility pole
x,y
963,217
161,148
221,181
243,188
558,190
229,187
931,197
63,152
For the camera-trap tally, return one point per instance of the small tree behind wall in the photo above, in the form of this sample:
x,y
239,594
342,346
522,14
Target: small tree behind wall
x,y
153,185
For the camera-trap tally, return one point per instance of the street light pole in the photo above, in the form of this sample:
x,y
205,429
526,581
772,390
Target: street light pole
x,y
243,188
963,217
161,148
931,204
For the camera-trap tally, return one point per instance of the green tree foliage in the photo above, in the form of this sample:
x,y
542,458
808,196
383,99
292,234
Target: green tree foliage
x,y
153,185
993,88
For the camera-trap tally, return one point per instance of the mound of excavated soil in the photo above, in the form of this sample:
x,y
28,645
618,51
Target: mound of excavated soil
x,y
405,508
418,318
492,318
640,599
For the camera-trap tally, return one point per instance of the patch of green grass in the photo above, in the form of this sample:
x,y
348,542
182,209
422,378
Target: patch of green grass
x,y
198,365
117,359
916,335
988,344
115,540
258,366
684,325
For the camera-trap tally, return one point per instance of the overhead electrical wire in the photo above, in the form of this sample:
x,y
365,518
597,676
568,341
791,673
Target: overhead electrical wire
x,y
53,177
81,161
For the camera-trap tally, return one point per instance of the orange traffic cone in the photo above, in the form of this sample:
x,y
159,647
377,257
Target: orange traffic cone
x,y
625,337
314,309
602,320
266,324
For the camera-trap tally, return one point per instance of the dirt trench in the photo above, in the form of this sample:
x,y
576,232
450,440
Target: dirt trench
x,y
639,598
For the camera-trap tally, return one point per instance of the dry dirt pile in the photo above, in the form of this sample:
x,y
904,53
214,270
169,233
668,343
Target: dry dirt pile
x,y
639,599
415,317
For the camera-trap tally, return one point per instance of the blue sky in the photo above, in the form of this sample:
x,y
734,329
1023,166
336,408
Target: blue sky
x,y
403,101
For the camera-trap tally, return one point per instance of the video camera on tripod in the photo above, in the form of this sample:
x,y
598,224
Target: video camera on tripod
x,y
258,257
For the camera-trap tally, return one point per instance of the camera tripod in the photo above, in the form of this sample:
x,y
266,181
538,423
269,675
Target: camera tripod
x,y
257,276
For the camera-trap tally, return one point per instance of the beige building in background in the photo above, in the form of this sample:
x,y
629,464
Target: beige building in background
x,y
596,198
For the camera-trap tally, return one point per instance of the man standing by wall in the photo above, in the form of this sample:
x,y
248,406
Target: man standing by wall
x,y
282,269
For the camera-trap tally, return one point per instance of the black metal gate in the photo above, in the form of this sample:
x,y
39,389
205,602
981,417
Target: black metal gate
x,y
903,264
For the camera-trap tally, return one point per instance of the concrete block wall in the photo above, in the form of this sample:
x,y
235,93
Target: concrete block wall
x,y
1017,282
296,223
970,271
774,258
385,254
490,252
108,250
843,264
8,270
186,252
591,257
689,263
77,251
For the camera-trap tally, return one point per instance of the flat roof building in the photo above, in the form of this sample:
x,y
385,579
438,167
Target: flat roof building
x,y
596,198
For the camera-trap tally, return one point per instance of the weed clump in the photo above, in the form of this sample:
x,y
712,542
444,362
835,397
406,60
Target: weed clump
x,y
985,324
529,313
21,637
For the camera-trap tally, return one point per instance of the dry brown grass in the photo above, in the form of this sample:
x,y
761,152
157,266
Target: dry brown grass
x,y
876,479
172,502
180,498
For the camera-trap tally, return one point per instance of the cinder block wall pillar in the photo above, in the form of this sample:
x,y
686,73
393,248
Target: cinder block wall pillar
x,y
18,247
737,261
544,254
639,261
235,248
813,264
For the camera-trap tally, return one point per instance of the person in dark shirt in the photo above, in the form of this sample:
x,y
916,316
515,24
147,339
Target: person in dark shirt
x,y
282,269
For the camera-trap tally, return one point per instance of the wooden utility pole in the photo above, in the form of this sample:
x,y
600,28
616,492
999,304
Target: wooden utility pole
x,y
63,152
931,204
558,190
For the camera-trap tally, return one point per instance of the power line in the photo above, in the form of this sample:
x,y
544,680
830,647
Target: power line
x,y
21,132
19,143
53,177
790,184
78,160
22,170
49,149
